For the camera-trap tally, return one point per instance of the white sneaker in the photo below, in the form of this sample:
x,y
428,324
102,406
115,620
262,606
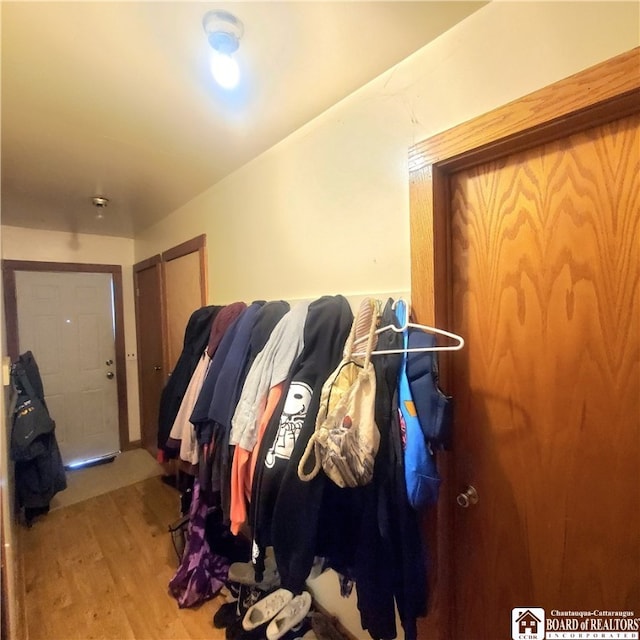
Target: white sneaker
x,y
266,608
290,616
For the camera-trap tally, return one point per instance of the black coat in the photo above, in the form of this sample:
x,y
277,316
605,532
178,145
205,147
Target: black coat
x,y
196,337
284,510
39,472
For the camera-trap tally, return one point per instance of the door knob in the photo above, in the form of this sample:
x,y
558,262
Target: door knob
x,y
110,374
109,363
468,497
157,368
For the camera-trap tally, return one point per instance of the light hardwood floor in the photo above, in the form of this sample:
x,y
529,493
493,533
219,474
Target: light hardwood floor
x,y
100,569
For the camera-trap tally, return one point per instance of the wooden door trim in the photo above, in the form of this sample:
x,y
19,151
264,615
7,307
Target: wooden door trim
x,y
194,245
607,90
600,94
9,268
147,264
182,249
154,262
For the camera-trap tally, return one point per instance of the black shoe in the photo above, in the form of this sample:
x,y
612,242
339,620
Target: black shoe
x,y
259,633
234,630
226,615
237,632
247,597
298,631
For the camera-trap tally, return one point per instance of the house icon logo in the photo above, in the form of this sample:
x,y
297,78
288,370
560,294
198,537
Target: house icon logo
x,y
527,623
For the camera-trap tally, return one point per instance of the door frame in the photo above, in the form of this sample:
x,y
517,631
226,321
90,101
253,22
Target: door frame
x,y
197,245
595,96
155,263
9,268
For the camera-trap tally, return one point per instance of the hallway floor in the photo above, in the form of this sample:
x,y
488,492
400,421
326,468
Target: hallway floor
x,y
100,569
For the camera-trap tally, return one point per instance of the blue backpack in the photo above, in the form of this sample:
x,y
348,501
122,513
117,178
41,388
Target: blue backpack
x,y
434,408
420,471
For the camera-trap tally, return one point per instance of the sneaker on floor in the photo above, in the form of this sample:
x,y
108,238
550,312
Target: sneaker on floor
x,y
250,596
266,608
290,616
247,597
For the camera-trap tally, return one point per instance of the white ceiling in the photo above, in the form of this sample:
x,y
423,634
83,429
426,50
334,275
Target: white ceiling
x,y
116,99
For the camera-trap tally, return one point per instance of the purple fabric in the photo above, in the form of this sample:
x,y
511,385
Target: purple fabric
x,y
201,573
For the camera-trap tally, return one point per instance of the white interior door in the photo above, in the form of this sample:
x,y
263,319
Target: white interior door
x,y
67,321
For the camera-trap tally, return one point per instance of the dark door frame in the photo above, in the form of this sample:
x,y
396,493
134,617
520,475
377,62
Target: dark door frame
x,y
9,268
155,263
194,245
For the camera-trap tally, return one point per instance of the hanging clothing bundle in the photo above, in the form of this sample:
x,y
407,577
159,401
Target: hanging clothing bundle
x,y
195,339
252,405
39,472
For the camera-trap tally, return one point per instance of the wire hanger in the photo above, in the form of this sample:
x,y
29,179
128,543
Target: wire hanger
x,y
459,340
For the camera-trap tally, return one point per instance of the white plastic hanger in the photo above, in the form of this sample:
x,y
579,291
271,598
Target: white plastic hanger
x,y
459,340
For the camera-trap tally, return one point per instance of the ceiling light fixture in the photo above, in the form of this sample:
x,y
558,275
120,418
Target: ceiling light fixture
x,y
99,202
223,31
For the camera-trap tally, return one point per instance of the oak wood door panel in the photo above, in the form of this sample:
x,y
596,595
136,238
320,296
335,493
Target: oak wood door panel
x,y
546,291
182,295
524,239
184,274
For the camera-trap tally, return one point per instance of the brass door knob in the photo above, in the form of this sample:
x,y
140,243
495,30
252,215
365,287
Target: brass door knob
x,y
110,374
468,497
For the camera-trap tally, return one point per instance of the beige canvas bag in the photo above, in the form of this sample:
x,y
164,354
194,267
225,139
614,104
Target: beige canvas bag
x,y
346,438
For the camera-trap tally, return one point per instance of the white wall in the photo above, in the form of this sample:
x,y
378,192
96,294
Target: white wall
x,y
54,246
326,210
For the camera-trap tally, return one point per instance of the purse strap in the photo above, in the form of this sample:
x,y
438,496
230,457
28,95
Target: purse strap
x,y
348,350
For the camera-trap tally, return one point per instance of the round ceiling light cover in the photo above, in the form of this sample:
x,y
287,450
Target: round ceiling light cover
x,y
223,31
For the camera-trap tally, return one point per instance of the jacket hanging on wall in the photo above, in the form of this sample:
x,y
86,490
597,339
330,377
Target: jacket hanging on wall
x,y
196,336
39,472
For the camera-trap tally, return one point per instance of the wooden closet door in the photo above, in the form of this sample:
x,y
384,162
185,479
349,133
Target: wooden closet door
x,y
524,238
147,277
184,270
169,288
546,291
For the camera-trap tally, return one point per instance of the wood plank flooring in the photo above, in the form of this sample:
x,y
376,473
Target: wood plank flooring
x,y
100,569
